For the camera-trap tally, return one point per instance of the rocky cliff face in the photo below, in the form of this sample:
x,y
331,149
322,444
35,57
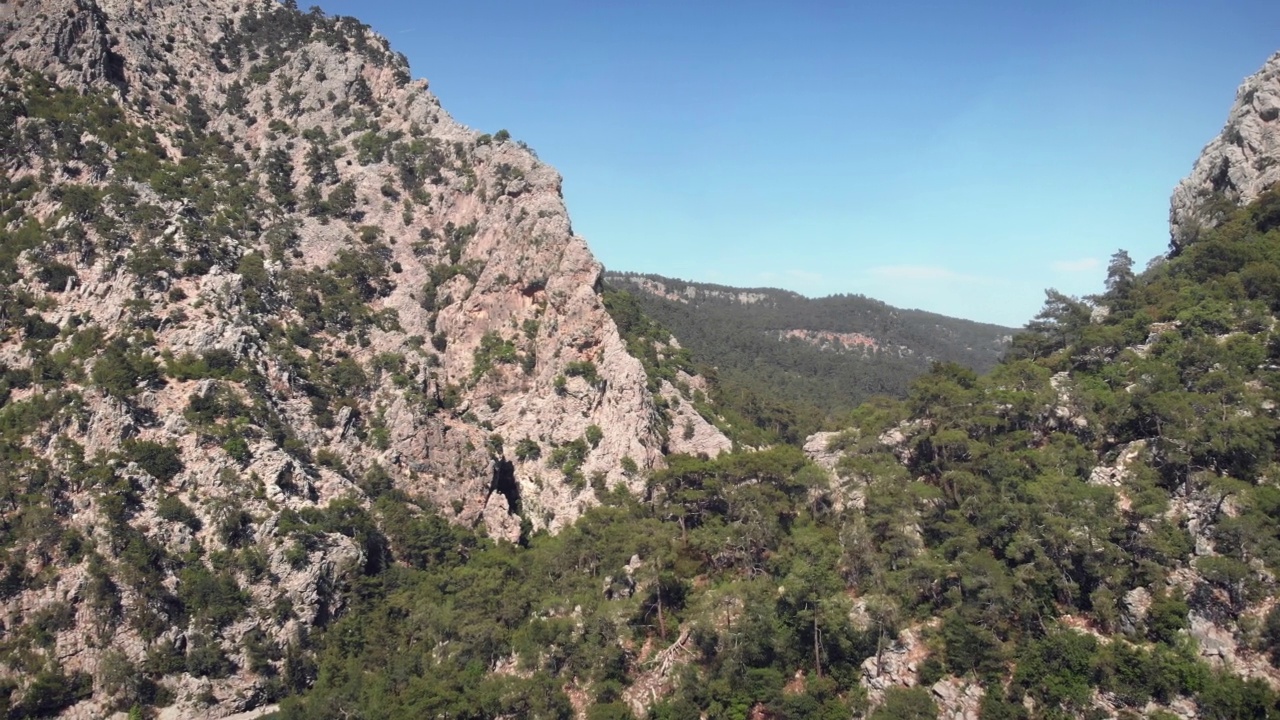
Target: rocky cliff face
x,y
255,278
1238,165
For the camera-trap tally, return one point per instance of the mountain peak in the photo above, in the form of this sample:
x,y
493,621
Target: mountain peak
x,y
1238,165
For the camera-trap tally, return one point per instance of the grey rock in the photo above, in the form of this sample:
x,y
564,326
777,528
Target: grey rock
x,y
1238,165
1133,609
818,447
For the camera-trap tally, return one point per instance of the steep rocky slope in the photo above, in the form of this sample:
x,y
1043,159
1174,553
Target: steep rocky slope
x,y
280,341
254,278
1238,165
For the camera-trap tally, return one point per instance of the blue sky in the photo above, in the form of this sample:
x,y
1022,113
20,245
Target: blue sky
x,y
955,157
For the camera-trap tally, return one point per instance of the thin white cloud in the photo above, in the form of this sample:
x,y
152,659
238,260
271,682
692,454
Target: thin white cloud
x,y
1074,266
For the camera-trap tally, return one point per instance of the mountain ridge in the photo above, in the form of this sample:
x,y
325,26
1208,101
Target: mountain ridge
x,y
777,347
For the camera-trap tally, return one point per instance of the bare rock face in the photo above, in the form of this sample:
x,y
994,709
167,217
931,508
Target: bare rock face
x,y
957,699
818,447
261,279
1238,165
691,433
896,666
487,293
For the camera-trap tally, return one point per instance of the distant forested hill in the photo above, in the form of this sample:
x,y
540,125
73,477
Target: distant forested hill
x,y
820,356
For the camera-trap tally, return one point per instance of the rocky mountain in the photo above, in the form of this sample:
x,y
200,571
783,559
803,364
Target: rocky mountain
x,y
1236,167
255,280
773,347
312,405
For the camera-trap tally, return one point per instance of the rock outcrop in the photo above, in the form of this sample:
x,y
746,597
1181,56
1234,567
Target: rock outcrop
x,y
259,278
1238,165
896,666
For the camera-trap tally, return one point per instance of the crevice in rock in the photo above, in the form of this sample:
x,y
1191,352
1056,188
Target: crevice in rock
x,y
504,483
113,71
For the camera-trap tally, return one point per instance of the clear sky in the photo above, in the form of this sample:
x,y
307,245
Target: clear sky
x,y
955,157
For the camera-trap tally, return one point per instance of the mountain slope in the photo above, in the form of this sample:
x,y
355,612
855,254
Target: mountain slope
x,y
827,353
286,355
256,280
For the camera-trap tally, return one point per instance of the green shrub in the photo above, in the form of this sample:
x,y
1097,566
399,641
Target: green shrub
x,y
528,449
492,350
1057,669
236,529
915,703
216,363
238,449
36,328
297,555
54,275
584,369
213,597
1167,616
568,457
205,658
594,435
494,443
610,711
341,201
51,691
162,462
172,508
121,370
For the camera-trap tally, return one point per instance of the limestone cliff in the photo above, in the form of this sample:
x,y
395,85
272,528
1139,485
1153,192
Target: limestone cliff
x,y
255,277
1238,165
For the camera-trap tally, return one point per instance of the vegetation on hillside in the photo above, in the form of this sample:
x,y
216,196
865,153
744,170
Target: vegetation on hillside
x,y
1008,520
979,527
136,190
768,387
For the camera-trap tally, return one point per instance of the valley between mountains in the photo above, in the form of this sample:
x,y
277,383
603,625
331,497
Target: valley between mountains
x,y
313,405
